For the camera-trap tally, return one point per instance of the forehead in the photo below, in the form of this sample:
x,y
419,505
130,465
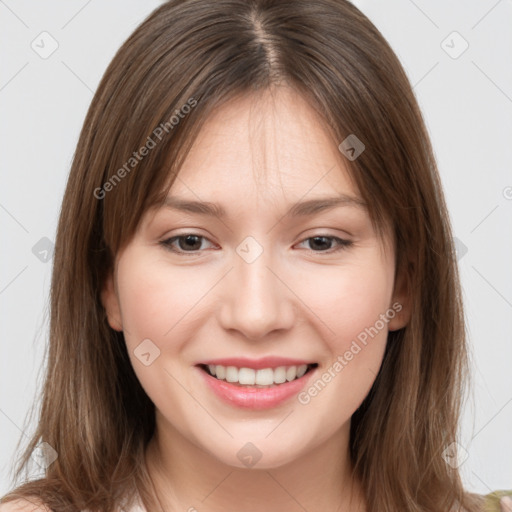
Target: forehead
x,y
272,144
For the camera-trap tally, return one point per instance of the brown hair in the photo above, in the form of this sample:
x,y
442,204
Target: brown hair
x,y
94,411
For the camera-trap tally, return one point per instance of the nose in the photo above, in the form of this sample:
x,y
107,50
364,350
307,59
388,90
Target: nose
x,y
256,298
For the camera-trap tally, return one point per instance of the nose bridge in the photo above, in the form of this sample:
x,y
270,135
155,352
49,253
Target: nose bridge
x,y
256,302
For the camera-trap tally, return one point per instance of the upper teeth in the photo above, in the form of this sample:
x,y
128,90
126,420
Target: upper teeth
x,y
263,377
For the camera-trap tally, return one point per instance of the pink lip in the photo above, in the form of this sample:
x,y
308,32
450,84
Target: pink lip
x,y
257,364
249,397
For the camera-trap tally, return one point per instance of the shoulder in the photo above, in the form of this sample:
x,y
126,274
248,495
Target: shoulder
x,y
498,501
24,505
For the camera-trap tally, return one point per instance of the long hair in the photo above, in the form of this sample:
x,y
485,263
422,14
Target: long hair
x,y
187,58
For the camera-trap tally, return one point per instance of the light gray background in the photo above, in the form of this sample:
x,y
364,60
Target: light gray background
x,y
467,103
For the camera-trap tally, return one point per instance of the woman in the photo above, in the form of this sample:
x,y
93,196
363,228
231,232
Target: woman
x,y
255,300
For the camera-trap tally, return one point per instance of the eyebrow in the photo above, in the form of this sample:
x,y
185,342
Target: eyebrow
x,y
299,209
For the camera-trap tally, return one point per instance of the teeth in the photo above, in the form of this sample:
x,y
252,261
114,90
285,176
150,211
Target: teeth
x,y
291,373
262,377
301,370
247,376
232,374
280,375
220,372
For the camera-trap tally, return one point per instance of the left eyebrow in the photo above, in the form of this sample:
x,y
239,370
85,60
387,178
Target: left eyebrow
x,y
301,208
313,206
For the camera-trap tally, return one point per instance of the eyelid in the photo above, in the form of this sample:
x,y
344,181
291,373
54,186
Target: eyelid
x,y
342,243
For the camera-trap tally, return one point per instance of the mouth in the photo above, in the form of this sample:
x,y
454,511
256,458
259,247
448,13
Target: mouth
x,y
270,377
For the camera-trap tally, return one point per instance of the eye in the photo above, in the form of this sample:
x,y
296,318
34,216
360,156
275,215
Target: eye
x,y
325,243
187,243
192,243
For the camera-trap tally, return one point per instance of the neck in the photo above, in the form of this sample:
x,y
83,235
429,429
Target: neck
x,y
187,478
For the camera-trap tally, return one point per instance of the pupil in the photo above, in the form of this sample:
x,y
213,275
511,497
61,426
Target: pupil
x,y
191,242
317,240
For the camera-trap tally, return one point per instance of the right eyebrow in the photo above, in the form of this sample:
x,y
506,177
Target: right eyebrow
x,y
200,207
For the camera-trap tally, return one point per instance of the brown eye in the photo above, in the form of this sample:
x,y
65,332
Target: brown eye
x,y
320,243
189,242
185,243
325,243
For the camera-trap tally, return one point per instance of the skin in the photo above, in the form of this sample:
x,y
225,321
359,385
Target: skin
x,y
294,300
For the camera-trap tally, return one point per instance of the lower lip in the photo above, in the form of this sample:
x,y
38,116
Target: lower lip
x,y
255,398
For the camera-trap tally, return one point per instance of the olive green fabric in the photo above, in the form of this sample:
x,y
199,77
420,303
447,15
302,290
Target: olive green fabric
x,y
492,500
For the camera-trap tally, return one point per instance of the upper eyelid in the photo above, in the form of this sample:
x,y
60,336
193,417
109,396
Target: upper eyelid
x,y
176,237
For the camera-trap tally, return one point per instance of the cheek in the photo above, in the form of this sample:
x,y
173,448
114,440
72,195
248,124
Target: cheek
x,y
157,299
349,299
352,301
161,304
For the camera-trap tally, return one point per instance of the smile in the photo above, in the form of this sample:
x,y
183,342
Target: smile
x,y
259,378
256,389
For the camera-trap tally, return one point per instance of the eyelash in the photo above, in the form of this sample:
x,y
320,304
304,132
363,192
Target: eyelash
x,y
342,244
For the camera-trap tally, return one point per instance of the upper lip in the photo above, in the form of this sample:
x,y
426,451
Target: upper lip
x,y
256,364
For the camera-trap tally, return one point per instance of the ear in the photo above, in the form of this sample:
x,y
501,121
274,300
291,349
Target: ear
x,y
401,301
110,302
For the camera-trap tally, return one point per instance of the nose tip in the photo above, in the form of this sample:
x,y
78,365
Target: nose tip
x,y
255,301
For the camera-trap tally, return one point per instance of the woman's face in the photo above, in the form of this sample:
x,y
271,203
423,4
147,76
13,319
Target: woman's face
x,y
284,277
